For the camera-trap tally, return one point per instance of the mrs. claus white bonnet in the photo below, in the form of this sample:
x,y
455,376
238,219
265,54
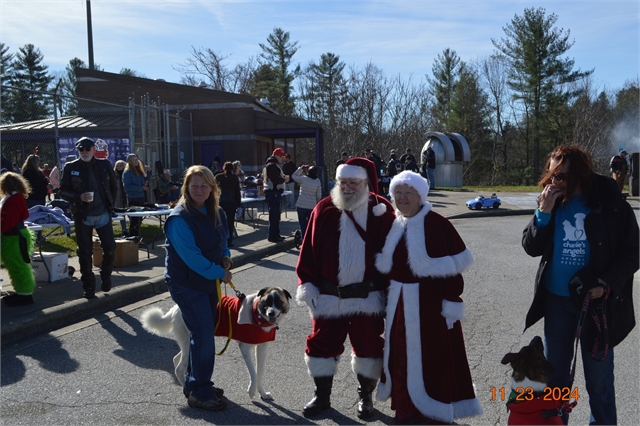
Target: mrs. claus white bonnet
x,y
412,179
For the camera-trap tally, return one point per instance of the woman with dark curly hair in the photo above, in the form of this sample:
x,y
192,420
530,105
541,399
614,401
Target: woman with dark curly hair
x,y
585,232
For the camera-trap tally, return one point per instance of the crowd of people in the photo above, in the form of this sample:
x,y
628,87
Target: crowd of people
x,y
385,273
387,170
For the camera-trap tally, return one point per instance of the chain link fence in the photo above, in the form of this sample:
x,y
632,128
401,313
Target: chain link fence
x,y
49,124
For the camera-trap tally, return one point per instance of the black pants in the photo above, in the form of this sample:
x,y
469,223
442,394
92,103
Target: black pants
x,y
84,237
229,208
134,225
273,204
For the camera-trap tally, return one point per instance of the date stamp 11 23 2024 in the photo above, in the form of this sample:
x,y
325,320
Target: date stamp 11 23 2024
x,y
528,394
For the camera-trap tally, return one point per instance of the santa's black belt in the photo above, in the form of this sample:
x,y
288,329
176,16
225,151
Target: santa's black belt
x,y
351,291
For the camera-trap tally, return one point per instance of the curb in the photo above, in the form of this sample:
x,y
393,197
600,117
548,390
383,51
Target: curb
x,y
492,213
74,311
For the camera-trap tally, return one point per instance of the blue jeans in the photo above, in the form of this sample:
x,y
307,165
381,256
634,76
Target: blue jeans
x,y
560,325
199,314
291,186
432,179
273,198
303,218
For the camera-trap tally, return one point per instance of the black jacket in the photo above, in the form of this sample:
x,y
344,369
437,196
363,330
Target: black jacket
x,y
229,188
38,182
412,166
272,178
393,167
75,181
612,232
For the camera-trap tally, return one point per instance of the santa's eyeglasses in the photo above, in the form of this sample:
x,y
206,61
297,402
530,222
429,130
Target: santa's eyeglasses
x,y
350,183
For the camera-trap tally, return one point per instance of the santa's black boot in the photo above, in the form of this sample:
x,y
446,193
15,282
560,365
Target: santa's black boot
x,y
365,390
322,399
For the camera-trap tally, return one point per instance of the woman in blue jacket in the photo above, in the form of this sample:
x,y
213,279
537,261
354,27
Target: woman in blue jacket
x,y
197,256
136,185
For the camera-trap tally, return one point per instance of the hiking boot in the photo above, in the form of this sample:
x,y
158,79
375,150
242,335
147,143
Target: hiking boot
x,y
217,391
214,404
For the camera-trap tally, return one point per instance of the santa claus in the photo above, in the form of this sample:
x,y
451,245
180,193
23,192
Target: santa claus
x,y
426,372
340,284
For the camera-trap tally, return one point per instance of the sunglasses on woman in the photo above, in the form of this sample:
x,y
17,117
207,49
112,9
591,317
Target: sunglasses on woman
x,y
80,148
560,177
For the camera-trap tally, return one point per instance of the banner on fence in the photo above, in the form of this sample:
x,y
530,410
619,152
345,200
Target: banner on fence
x,y
116,149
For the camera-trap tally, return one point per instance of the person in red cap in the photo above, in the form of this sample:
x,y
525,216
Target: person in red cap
x,y
274,180
339,283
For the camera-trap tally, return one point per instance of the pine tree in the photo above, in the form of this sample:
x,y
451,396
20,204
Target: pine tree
x,y
328,90
539,73
442,86
6,67
278,54
30,75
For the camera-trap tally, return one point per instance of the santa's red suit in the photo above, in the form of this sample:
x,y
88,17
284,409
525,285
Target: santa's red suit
x,y
426,372
334,253
247,325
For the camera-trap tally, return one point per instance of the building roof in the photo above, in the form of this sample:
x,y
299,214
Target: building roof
x,y
69,122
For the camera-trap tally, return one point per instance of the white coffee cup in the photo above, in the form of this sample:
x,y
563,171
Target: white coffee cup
x,y
90,196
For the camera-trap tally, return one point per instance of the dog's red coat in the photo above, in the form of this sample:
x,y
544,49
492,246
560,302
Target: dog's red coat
x,y
530,412
251,333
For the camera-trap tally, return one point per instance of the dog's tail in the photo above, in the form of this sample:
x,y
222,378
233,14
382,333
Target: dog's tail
x,y
156,322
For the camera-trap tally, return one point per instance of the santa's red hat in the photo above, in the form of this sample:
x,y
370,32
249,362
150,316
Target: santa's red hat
x,y
359,168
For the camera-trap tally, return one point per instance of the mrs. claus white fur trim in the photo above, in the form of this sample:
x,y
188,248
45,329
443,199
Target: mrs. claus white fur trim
x,y
419,261
453,310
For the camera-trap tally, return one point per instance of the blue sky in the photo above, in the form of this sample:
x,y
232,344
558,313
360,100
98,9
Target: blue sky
x,y
400,37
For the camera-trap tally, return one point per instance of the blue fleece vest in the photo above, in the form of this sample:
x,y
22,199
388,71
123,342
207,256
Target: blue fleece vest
x,y
209,239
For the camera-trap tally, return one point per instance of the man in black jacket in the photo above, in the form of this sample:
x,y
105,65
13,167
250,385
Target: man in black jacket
x,y
403,159
90,186
274,180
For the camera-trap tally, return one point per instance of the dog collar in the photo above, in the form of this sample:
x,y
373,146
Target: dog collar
x,y
258,319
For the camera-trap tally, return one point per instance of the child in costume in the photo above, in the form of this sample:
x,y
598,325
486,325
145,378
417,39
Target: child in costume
x,y
17,244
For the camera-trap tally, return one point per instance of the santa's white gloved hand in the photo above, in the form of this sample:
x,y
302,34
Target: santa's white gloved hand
x,y
308,293
450,322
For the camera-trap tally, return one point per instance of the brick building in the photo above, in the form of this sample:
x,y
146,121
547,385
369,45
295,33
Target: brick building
x,y
227,125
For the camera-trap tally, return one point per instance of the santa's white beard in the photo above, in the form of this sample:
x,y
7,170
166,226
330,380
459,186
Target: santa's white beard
x,y
359,198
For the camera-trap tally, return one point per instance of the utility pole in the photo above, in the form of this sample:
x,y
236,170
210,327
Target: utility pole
x,y
90,35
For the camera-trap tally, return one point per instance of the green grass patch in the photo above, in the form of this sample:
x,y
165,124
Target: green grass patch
x,y
58,242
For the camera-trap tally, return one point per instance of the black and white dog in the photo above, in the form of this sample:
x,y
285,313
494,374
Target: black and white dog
x,y
531,401
252,321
